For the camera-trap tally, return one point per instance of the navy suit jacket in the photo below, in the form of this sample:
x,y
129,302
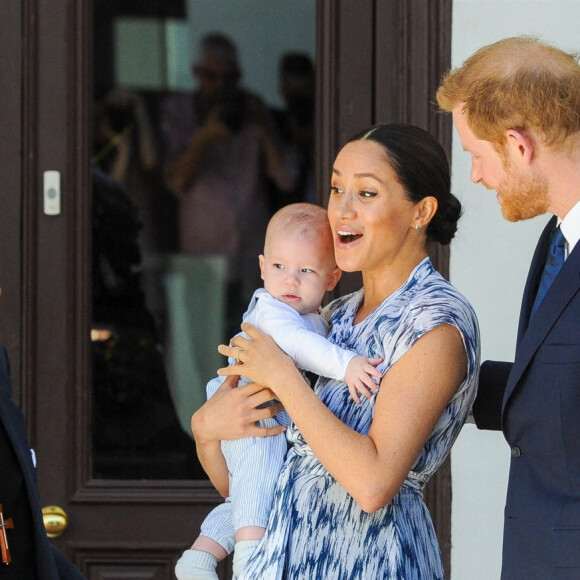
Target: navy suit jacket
x,y
535,401
50,563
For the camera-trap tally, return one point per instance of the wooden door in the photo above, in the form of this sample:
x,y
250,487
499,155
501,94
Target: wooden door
x,y
133,526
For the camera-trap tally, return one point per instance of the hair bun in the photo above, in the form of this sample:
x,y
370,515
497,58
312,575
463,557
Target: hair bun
x,y
443,226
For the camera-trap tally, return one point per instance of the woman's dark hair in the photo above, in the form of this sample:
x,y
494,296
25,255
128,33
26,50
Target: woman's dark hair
x,y
421,167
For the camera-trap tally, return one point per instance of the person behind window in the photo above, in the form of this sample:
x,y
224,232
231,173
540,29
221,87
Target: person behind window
x,y
294,124
219,151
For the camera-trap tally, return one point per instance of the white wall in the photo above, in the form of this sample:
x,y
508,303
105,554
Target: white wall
x,y
489,262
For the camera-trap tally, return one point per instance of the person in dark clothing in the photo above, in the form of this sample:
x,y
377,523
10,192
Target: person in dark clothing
x,y
26,550
294,126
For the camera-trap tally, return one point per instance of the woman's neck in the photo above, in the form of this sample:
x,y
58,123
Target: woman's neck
x,y
379,285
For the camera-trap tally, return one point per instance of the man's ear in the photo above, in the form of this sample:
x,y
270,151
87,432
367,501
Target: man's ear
x,y
262,262
333,278
520,145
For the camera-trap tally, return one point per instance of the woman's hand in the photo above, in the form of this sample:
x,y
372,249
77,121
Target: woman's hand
x,y
262,361
230,414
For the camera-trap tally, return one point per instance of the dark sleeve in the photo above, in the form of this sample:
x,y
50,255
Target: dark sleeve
x,y
487,408
66,569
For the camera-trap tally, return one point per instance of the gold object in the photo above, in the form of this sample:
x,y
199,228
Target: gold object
x,y
55,520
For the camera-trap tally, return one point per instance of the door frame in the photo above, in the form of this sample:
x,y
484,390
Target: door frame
x,y
400,64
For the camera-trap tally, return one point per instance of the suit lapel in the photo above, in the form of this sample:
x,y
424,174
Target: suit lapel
x,y
532,333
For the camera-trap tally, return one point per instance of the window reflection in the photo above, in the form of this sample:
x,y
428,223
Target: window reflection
x,y
189,162
136,432
220,150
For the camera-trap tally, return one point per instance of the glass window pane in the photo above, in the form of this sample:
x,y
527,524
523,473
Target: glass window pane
x,y
194,146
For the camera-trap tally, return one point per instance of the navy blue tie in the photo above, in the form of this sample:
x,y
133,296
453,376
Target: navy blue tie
x,y
554,262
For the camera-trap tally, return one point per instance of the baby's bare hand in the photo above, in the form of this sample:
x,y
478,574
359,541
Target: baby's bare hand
x,y
362,377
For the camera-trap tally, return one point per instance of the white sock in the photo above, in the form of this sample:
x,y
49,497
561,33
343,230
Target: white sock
x,y
196,565
242,552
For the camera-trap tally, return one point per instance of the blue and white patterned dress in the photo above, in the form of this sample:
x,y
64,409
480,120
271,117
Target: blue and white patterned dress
x,y
316,530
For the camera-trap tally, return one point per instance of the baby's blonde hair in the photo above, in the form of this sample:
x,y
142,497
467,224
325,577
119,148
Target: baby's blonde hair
x,y
303,218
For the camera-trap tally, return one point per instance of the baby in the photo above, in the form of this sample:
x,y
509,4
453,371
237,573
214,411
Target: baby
x,y
298,268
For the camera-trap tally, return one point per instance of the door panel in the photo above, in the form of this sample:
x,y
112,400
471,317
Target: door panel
x,y
166,286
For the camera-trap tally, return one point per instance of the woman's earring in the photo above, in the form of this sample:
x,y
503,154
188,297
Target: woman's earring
x,y
417,226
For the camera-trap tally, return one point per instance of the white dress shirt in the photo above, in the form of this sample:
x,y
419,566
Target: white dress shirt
x,y
570,227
